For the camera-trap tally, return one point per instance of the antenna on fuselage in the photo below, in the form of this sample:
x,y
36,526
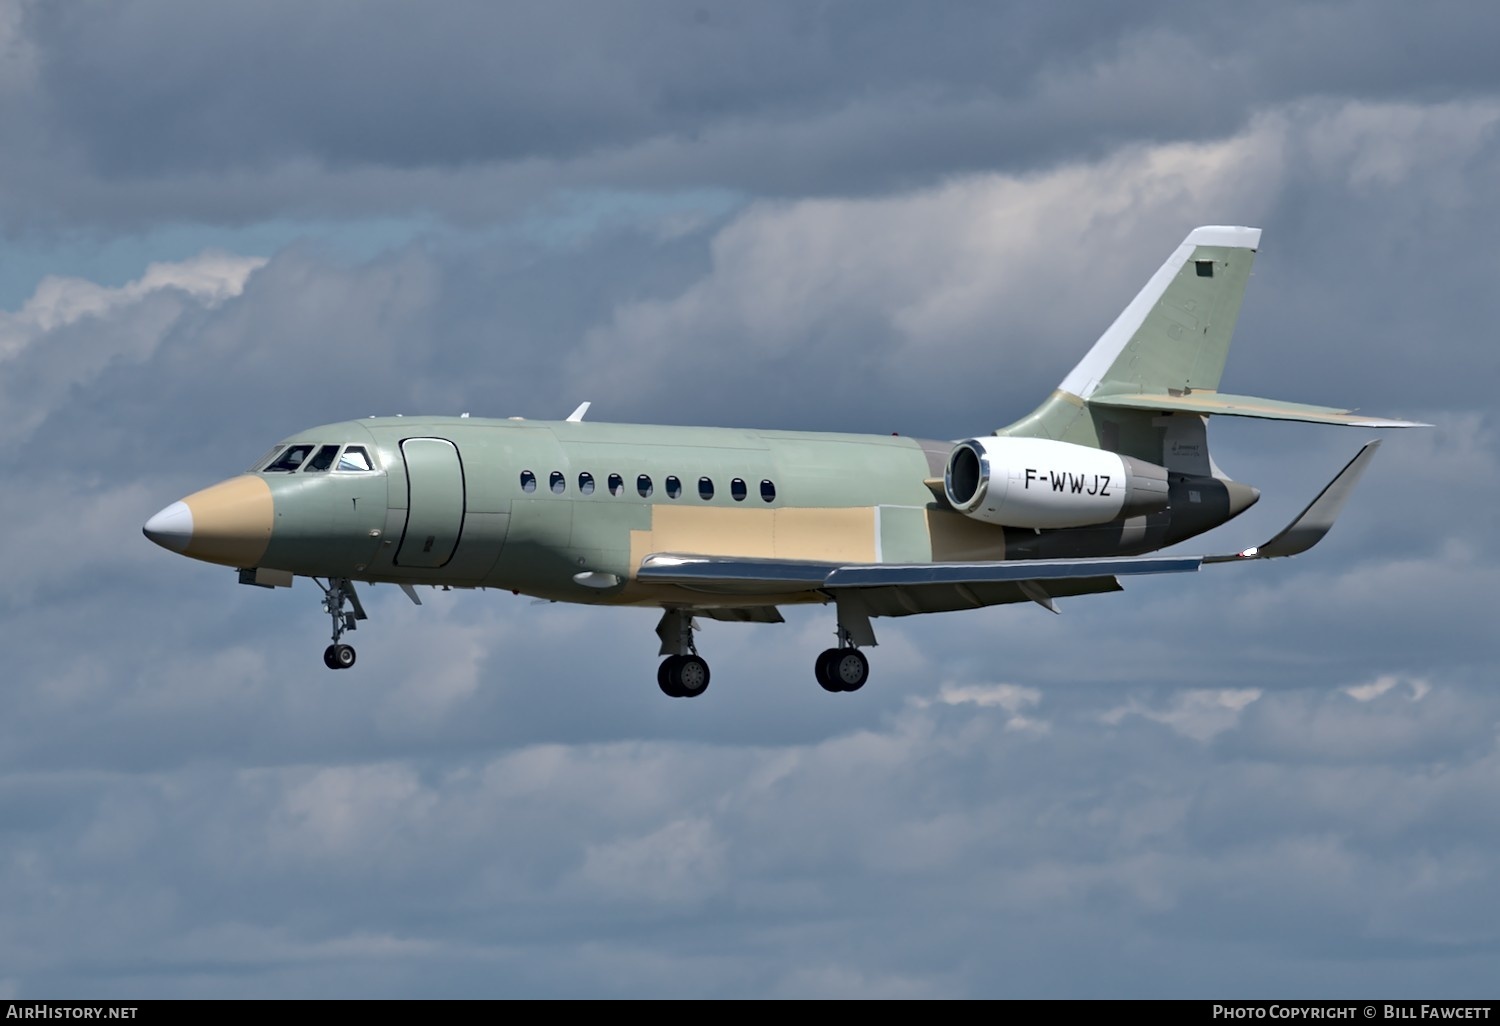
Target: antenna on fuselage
x,y
577,415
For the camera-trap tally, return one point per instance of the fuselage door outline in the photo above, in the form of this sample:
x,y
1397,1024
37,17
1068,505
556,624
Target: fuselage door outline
x,y
435,501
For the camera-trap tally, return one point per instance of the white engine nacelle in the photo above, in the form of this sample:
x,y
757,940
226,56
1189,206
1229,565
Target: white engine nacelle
x,y
1037,482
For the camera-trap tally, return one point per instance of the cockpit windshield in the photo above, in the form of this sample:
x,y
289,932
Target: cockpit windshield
x,y
352,459
324,459
355,458
291,459
265,458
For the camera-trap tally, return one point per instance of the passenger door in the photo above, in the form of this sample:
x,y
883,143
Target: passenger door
x,y
434,502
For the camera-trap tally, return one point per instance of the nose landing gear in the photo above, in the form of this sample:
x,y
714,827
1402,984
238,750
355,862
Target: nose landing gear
x,y
338,592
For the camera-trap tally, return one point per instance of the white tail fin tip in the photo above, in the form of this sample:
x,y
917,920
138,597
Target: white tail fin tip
x,y
1234,236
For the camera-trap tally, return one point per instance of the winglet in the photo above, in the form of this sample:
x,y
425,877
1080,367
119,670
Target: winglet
x,y
577,415
1314,521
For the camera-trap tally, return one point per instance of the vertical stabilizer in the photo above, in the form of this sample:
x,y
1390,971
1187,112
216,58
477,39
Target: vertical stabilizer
x,y
1173,338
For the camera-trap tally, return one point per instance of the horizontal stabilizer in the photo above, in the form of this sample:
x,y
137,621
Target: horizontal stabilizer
x,y
1314,521
1222,404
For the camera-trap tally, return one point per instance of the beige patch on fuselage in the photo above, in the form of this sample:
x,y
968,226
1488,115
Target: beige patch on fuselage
x,y
957,538
232,521
842,535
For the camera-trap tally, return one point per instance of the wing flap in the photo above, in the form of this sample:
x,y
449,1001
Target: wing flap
x,y
910,600
742,614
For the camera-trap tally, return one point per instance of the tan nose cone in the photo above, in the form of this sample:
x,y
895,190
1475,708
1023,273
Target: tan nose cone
x,y
229,523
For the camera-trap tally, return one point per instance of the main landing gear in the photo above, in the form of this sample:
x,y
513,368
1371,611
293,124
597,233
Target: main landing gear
x,y
845,668
338,592
684,673
842,669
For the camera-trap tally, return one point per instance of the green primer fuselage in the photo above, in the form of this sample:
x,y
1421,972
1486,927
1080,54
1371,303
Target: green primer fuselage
x,y
448,504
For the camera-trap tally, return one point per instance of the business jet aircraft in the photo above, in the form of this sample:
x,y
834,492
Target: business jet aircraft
x,y
733,523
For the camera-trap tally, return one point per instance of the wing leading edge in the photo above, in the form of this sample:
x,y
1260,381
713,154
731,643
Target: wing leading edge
x,y
903,589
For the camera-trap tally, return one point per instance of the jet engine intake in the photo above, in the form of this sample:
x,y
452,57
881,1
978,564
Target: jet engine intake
x,y
1042,483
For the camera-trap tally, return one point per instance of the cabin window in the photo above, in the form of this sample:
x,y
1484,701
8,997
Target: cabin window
x,y
768,491
291,459
616,484
737,489
705,489
528,482
643,486
586,483
354,458
674,486
323,460
558,482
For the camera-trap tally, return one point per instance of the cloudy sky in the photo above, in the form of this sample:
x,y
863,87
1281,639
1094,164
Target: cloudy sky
x,y
222,224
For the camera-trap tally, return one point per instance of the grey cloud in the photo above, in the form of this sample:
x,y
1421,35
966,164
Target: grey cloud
x,y
473,110
797,845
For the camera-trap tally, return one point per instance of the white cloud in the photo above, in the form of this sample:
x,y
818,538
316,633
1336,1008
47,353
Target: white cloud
x,y
988,271
1199,713
208,278
1380,685
1010,697
71,331
903,285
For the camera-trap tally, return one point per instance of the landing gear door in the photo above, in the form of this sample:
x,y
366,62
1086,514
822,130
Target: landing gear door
x,y
434,502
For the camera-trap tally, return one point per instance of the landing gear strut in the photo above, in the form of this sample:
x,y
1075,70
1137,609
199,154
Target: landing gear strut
x,y
338,592
684,673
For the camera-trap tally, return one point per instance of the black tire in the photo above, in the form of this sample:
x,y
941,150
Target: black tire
x,y
328,659
823,671
666,679
343,656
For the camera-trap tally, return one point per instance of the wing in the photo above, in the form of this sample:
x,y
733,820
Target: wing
x,y
903,589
